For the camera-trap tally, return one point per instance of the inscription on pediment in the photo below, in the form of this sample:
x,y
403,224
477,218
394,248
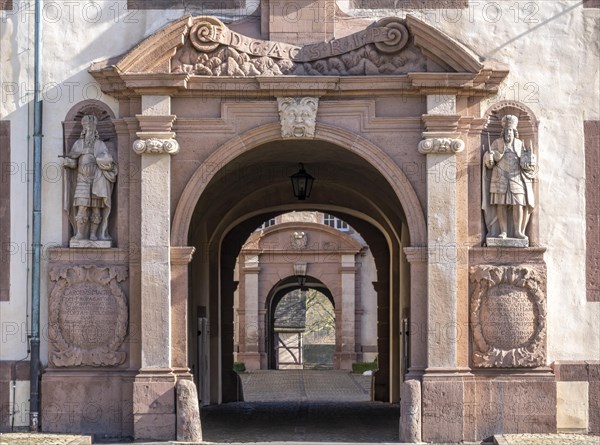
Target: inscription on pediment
x,y
212,49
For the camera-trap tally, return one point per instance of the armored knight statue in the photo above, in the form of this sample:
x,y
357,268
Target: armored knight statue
x,y
508,197
90,175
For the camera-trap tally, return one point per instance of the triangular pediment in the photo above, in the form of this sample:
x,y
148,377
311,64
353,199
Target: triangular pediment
x,y
206,47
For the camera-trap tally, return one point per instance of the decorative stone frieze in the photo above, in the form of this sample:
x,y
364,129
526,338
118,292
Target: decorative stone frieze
x,y
88,316
441,145
156,146
298,116
508,316
212,49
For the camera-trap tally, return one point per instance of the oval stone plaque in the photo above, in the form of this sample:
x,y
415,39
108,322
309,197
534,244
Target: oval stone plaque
x,y
507,317
88,315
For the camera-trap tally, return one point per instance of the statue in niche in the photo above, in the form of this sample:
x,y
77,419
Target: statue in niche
x,y
509,188
90,175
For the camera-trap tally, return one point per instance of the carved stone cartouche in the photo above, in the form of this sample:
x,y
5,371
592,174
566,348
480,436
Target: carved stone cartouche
x,y
214,50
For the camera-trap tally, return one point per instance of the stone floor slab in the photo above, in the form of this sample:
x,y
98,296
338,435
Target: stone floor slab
x,y
546,439
305,386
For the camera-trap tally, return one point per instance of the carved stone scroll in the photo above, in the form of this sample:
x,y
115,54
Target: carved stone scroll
x,y
156,146
88,316
214,50
441,145
508,316
298,116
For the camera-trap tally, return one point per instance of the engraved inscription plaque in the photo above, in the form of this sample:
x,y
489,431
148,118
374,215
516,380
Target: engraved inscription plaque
x,y
88,316
90,313
508,316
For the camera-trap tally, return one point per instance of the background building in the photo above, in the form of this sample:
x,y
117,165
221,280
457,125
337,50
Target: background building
x,y
325,248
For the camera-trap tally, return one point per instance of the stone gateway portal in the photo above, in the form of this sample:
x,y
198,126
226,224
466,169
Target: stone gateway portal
x,y
431,224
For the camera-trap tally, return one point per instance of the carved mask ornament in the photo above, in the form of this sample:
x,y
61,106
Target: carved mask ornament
x,y
298,116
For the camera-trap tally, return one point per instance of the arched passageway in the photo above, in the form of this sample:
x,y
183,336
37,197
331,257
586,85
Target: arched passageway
x,y
288,308
352,183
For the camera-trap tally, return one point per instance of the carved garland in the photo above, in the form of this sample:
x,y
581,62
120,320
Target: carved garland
x,y
531,353
69,350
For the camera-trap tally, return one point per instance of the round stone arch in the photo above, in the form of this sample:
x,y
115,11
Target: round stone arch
x,y
393,174
276,294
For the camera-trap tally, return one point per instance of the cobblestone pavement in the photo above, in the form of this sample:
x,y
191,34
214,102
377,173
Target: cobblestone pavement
x,y
355,422
305,386
303,408
43,439
546,439
302,405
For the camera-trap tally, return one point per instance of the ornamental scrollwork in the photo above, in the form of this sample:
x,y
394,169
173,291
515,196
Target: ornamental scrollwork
x,y
156,146
441,145
508,316
88,316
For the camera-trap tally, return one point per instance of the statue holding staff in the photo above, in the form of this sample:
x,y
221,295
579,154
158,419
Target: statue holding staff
x,y
90,175
508,197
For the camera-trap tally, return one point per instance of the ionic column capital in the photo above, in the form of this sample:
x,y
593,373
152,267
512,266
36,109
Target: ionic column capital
x,y
154,143
441,146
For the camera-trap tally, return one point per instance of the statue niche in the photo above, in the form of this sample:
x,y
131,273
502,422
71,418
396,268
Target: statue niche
x,y
90,172
508,198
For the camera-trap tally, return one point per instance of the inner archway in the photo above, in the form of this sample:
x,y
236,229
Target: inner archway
x,y
301,332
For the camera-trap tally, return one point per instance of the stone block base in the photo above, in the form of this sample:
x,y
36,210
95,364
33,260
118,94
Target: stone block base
x,y
154,406
88,244
476,407
155,426
252,360
578,402
88,402
507,242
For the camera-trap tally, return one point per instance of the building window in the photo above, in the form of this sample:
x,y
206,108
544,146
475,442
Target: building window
x,y
267,223
6,5
336,223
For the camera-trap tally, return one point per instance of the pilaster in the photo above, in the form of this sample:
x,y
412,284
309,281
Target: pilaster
x,y
251,356
440,145
348,271
180,261
154,387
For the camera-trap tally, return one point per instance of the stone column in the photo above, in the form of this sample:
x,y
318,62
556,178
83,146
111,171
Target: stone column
x,y
348,271
251,270
180,261
440,145
154,387
417,257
